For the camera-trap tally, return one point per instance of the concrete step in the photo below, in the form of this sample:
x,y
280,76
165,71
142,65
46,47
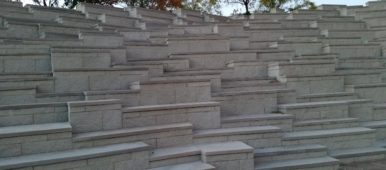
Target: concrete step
x,y
333,138
284,121
289,153
67,158
193,153
343,40
341,25
364,34
325,124
361,62
326,97
369,91
30,114
359,154
379,126
18,95
187,166
302,48
379,112
301,69
19,49
257,136
359,50
156,136
203,115
33,139
275,55
316,110
308,163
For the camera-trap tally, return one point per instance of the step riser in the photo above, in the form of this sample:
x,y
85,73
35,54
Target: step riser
x,y
80,60
26,64
357,79
30,116
147,52
337,142
377,94
174,161
170,138
284,124
247,104
257,140
347,52
310,85
275,56
96,80
25,145
303,49
349,34
368,158
21,96
327,126
117,21
321,99
21,31
342,41
342,26
292,156
273,87
328,112
375,22
198,46
278,70
360,63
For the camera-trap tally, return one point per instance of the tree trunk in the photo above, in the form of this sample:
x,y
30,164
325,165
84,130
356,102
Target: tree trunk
x,y
246,3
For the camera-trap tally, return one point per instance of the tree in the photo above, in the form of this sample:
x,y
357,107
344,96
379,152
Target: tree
x,y
287,5
247,4
207,6
47,3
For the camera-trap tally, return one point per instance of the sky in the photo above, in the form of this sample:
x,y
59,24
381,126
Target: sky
x,y
228,9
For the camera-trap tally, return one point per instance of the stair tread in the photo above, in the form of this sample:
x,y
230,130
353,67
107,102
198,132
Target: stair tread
x,y
357,152
236,131
325,121
211,148
187,166
242,118
300,163
315,95
36,129
71,155
169,106
320,103
289,150
326,133
374,124
129,131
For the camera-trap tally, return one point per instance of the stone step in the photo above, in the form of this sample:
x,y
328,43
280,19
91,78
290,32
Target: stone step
x,y
332,138
78,22
42,84
308,163
156,136
33,139
275,34
18,95
302,48
257,136
48,13
338,18
193,153
173,91
376,5
370,14
359,50
343,40
67,158
320,12
364,34
79,60
289,153
361,62
283,121
314,58
326,97
31,114
186,166
209,43
325,124
373,91
341,25
375,21
316,110
25,63
275,55
203,115
359,154
358,76
248,102
379,112
262,86
379,126
300,69
23,49
173,64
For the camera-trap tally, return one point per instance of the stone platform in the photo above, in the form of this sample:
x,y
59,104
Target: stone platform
x,y
136,89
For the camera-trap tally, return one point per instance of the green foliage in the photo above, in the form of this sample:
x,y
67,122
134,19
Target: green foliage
x,y
286,5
